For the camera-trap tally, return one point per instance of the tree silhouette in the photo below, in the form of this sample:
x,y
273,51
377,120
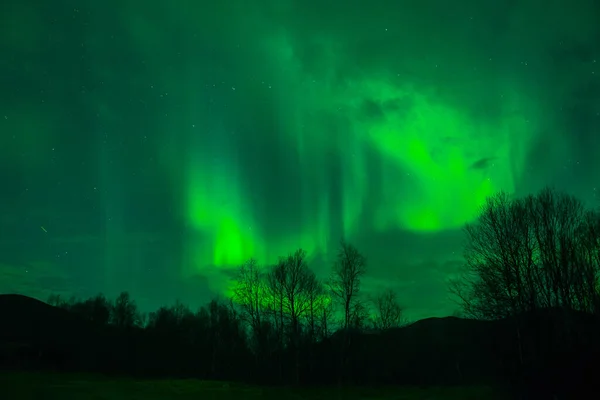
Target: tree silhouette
x,y
55,300
96,309
533,263
360,314
588,282
344,284
298,280
531,273
318,311
276,305
291,285
388,312
124,311
249,293
527,254
224,334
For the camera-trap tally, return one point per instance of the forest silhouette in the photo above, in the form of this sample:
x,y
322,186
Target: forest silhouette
x,y
528,290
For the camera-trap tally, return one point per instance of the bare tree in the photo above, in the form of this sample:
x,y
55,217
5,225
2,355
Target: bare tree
x,y
315,296
325,316
388,311
557,220
588,283
498,277
222,332
320,311
96,309
316,299
290,284
359,314
249,294
276,299
55,300
298,282
124,311
527,254
344,284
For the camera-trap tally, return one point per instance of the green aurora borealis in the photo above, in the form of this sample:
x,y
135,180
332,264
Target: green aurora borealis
x,y
160,144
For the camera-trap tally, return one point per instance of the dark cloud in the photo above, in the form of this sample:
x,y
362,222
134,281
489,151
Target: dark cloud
x,y
482,163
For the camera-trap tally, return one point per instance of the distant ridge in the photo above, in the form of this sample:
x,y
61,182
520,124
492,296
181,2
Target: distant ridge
x,y
432,351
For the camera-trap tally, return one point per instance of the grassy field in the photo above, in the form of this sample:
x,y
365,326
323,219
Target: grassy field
x,y
25,386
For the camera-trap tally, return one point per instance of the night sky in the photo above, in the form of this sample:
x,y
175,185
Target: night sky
x,y
152,146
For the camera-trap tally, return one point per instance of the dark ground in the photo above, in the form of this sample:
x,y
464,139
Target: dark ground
x,y
54,386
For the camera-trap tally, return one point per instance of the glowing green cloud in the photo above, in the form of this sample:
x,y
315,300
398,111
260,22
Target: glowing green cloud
x,y
215,207
451,162
438,162
222,223
441,161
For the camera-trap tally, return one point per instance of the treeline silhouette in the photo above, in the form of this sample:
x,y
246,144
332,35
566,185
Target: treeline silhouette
x,y
529,291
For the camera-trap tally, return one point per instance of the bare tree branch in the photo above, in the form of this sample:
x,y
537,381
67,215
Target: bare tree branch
x,y
388,312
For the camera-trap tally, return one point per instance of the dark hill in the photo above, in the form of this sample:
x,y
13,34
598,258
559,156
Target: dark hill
x,y
430,351
25,318
36,334
551,347
517,352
